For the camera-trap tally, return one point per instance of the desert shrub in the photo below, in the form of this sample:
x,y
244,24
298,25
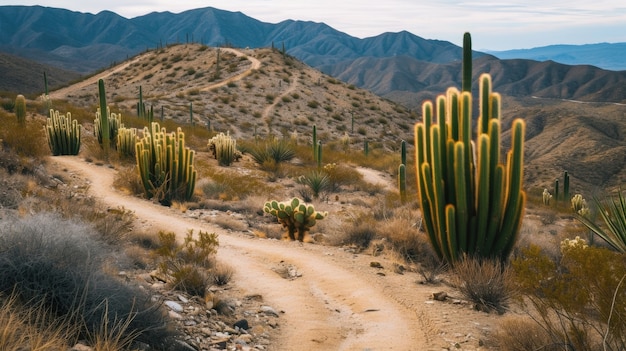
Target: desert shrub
x,y
187,265
56,264
360,232
222,274
340,174
579,299
13,136
484,282
522,334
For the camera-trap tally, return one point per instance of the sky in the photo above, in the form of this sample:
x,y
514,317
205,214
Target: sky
x,y
494,25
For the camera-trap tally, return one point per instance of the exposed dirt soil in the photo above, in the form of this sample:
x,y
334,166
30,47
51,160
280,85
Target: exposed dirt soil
x,y
340,301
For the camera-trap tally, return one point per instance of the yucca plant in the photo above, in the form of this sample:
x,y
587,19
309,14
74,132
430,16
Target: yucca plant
x,y
276,151
613,212
317,181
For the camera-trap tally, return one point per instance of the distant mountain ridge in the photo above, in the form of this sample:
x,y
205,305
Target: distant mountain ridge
x,y
399,66
603,55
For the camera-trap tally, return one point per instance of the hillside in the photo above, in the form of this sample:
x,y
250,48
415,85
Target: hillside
x,y
24,76
261,92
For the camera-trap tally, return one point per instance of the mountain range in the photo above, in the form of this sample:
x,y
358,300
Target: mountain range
x,y
400,66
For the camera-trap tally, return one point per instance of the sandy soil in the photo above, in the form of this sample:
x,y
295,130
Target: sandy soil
x,y
339,303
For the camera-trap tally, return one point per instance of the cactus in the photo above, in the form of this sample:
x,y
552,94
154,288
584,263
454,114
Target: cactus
x,y
546,196
556,191
467,63
20,109
402,182
366,148
114,121
125,141
319,155
314,143
166,166
295,216
565,185
104,136
63,134
403,152
471,202
224,149
579,205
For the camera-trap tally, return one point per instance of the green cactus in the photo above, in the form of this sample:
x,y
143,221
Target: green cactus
x,y
166,166
295,216
565,186
63,134
472,203
366,148
402,182
20,109
104,137
467,63
319,154
556,191
314,143
403,152
224,149
125,141
114,121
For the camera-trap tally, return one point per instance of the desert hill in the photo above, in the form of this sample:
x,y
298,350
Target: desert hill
x,y
262,92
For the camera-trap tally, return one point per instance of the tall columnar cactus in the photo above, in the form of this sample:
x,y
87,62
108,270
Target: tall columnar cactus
x,y
472,203
314,143
166,166
63,134
402,182
224,148
114,122
125,141
104,137
295,216
403,152
20,109
319,154
467,63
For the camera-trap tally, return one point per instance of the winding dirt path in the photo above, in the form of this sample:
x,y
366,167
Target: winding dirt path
x,y
339,303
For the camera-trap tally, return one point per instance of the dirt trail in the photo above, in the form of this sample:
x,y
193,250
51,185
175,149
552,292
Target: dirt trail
x,y
336,304
256,64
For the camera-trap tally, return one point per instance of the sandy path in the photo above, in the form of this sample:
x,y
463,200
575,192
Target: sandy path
x,y
256,64
336,304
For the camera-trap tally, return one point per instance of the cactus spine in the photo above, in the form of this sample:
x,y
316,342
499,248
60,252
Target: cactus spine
x,y
63,134
470,204
166,166
20,109
295,216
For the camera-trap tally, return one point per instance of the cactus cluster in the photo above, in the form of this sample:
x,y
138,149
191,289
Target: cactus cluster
x,y
63,134
126,140
472,203
295,216
224,149
166,166
114,123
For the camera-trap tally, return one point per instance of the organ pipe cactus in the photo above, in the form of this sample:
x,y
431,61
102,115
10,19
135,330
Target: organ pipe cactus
x,y
165,165
295,216
114,123
472,202
63,134
224,148
126,140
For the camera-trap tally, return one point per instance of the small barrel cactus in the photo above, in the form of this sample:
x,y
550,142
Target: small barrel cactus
x,y
295,215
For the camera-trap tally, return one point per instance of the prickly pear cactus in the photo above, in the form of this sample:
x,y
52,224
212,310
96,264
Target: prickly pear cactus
x,y
295,216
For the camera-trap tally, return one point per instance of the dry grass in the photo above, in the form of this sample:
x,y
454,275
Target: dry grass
x,y
486,283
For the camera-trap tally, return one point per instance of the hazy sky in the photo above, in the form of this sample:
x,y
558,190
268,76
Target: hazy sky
x,y
495,25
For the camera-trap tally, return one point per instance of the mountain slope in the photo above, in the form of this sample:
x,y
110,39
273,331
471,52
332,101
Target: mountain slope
x,y
603,55
24,76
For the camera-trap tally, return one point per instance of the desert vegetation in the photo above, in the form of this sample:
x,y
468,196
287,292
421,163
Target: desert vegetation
x,y
451,211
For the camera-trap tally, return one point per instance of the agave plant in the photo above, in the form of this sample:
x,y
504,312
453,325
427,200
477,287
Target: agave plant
x,y
613,212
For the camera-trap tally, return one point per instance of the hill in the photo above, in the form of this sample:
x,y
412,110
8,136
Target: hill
x,y
24,76
262,92
603,55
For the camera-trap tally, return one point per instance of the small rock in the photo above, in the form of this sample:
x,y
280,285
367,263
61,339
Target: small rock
x,y
174,315
183,299
242,324
376,264
440,296
174,306
81,347
269,311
